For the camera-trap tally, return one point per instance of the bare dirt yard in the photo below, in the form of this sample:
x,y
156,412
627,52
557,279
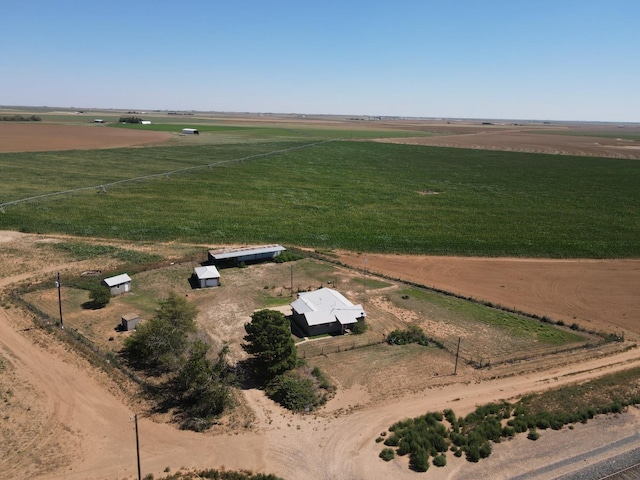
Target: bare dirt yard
x,y
40,137
64,418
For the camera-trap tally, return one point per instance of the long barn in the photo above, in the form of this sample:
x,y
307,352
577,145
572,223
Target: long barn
x,y
245,255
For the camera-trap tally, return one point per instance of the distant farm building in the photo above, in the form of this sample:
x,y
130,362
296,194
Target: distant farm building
x,y
118,284
129,321
325,311
145,122
245,255
207,276
190,131
99,120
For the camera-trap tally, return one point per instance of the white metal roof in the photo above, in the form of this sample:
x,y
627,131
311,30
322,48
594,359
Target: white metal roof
x,y
326,306
240,252
206,272
117,280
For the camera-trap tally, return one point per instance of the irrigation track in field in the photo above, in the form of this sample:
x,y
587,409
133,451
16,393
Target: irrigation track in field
x,y
103,187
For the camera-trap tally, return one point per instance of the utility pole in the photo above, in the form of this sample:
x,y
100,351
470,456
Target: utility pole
x,y
135,419
59,300
455,370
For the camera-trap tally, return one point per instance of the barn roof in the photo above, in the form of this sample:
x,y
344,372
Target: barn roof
x,y
240,252
206,272
326,306
117,280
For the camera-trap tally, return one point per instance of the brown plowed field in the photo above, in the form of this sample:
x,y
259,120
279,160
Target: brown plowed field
x,y
40,137
603,295
530,142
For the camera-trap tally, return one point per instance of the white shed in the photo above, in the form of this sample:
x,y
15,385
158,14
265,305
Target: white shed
x,y
118,284
190,131
207,276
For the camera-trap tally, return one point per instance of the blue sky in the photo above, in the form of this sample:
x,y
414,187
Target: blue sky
x,y
516,59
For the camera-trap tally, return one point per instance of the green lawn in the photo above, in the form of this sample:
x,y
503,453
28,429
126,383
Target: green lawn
x,y
361,196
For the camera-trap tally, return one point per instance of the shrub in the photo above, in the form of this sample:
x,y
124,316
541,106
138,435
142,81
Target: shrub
x,y
440,460
292,391
387,454
392,441
413,334
359,327
100,296
533,434
419,461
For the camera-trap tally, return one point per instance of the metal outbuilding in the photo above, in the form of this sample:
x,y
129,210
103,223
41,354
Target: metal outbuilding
x,y
118,284
129,321
245,255
190,131
207,276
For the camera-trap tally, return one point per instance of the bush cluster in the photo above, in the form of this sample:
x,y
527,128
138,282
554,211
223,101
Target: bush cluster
x,y
426,436
20,118
196,385
215,474
300,390
130,119
413,334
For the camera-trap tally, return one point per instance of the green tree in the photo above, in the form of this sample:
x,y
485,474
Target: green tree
x,y
160,342
100,296
269,341
292,391
206,383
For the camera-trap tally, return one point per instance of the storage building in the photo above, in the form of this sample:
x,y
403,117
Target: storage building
x,y
118,284
245,255
207,276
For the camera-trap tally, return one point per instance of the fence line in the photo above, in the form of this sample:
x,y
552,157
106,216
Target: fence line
x,y
103,187
324,347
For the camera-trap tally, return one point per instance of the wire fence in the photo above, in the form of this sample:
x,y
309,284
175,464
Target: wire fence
x,y
103,187
328,345
476,357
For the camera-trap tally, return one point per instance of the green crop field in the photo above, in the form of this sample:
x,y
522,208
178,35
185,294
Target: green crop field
x,y
275,132
361,196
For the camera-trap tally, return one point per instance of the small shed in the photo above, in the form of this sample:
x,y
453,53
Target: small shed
x,y
207,276
245,255
190,131
129,321
118,284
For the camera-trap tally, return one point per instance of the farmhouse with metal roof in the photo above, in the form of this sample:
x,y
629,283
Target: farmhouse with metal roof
x,y
325,311
245,255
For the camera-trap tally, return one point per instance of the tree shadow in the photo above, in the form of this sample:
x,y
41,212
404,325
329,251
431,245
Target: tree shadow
x,y
93,305
248,375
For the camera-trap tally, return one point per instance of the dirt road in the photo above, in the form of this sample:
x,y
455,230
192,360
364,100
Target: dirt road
x,y
66,419
82,415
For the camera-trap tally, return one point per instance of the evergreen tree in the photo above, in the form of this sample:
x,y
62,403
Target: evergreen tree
x,y
269,341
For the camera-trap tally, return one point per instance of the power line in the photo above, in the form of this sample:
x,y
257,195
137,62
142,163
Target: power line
x,y
103,186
